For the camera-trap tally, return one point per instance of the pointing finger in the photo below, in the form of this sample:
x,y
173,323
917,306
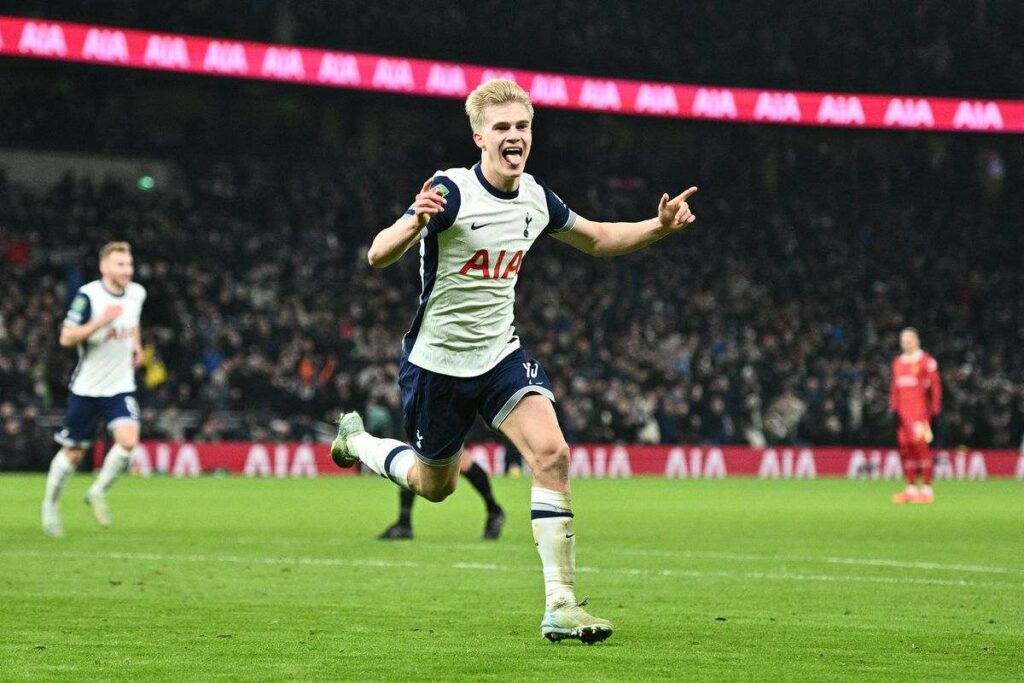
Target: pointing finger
x,y
683,196
426,185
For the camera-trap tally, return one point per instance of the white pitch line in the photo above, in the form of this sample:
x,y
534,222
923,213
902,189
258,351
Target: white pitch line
x,y
716,555
856,561
482,566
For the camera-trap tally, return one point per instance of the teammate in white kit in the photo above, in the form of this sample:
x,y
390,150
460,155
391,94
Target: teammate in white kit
x,y
462,355
103,322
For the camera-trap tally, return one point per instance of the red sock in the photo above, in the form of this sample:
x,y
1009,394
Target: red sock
x,y
927,465
909,464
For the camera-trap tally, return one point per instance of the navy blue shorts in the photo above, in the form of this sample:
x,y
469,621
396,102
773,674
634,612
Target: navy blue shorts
x,y
85,412
440,409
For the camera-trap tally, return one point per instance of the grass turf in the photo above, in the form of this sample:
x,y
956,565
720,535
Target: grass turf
x,y
240,579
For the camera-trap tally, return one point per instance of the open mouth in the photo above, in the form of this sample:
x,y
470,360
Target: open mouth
x,y
513,156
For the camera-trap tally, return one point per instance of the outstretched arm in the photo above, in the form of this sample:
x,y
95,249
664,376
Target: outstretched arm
x,y
615,239
391,242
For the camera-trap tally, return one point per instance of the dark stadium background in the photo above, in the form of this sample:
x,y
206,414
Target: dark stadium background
x,y
772,321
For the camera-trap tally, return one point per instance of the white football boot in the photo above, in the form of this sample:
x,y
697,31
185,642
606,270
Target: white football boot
x,y
570,620
97,501
52,523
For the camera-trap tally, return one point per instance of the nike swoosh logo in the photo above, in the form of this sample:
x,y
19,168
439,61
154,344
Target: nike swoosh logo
x,y
474,226
569,535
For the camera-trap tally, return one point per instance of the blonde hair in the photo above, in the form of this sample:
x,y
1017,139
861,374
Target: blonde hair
x,y
112,247
493,93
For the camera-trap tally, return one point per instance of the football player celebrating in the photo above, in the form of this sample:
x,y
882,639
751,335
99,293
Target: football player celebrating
x,y
462,355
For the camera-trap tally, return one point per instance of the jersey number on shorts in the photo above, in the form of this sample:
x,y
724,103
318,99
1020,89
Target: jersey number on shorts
x,y
133,407
531,367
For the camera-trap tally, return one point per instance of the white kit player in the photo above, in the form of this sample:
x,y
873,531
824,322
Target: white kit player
x,y
462,356
103,322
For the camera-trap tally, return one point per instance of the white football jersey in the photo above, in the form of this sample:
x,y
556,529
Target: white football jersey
x,y
105,357
470,257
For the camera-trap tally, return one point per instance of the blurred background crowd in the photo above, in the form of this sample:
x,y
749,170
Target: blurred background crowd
x,y
772,321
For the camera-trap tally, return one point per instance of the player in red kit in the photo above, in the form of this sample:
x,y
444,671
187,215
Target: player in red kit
x,y
915,398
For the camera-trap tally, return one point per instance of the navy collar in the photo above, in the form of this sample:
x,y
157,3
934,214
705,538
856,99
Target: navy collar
x,y
110,292
500,194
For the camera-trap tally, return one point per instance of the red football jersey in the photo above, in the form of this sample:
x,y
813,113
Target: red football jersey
x,y
916,391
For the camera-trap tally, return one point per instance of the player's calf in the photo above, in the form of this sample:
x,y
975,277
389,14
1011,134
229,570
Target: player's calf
x,y
62,467
925,494
116,463
434,483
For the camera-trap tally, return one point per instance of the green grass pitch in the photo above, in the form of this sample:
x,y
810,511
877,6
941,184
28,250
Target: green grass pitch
x,y
239,579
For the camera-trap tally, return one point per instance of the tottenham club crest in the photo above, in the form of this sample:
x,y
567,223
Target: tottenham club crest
x,y
526,230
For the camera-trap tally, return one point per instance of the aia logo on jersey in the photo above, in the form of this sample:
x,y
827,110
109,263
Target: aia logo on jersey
x,y
119,333
481,261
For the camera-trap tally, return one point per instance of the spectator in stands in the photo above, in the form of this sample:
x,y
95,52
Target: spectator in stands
x,y
769,324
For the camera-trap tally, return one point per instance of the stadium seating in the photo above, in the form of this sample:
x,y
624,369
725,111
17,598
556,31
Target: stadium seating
x,y
772,321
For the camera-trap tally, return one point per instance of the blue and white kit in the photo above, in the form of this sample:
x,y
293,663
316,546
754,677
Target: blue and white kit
x,y
462,355
103,384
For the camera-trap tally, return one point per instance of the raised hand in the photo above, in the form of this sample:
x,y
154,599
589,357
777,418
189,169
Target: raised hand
x,y
429,202
675,214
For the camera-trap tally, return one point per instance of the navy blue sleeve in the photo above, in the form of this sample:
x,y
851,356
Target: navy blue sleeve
x,y
444,220
560,217
80,310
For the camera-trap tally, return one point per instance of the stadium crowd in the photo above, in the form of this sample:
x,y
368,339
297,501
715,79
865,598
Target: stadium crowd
x,y
772,321
932,46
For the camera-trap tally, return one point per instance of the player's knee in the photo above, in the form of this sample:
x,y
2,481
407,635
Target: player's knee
x,y
434,495
552,462
439,491
74,455
126,435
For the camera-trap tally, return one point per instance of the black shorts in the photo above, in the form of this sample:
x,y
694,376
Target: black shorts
x,y
440,409
85,413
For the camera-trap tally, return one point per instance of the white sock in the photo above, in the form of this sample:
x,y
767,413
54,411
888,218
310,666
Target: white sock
x,y
60,470
551,513
389,458
114,465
